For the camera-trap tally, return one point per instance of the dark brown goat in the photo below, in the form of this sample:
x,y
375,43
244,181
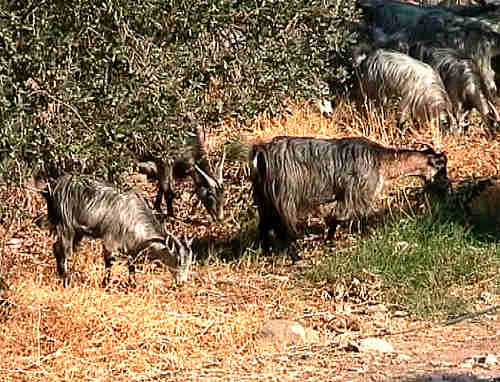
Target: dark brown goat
x,y
80,206
193,162
293,175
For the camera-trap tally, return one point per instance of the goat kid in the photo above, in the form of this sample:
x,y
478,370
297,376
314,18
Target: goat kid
x,y
194,163
81,206
293,175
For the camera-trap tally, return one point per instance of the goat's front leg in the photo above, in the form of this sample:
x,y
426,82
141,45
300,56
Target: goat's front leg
x,y
169,199
331,223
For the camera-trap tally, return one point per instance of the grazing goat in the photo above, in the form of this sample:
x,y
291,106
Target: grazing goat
x,y
293,175
385,75
447,31
193,162
80,206
462,80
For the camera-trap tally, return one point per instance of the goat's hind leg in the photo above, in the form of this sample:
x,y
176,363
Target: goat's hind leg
x,y
108,263
63,248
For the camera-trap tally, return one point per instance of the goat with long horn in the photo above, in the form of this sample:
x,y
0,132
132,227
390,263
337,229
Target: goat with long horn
x,y
193,163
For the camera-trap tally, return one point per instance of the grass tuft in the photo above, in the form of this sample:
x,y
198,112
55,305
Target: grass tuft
x,y
420,259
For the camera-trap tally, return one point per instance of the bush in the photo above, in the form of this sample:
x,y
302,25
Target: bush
x,y
90,86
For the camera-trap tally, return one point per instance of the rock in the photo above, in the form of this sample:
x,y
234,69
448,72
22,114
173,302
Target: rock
x,y
483,207
484,360
375,345
283,331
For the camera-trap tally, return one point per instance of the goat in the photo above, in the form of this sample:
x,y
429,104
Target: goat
x,y
293,175
193,162
462,80
395,15
445,31
385,75
80,206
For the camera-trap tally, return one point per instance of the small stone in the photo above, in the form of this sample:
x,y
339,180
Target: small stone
x,y
375,345
488,360
283,331
404,357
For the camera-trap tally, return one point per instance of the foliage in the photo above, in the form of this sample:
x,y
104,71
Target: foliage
x,y
90,86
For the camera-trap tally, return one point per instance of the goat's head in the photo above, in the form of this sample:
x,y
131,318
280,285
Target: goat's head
x,y
431,165
208,187
210,190
180,257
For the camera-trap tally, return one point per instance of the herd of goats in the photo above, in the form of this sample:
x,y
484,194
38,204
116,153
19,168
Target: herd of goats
x,y
435,60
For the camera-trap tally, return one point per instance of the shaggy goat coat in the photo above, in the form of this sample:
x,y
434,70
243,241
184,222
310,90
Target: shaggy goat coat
x,y
462,79
80,206
386,75
292,175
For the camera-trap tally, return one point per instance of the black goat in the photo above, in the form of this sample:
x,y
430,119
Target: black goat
x,y
80,206
193,162
293,175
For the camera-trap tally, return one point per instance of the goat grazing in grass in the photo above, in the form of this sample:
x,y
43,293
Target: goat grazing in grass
x,y
192,162
293,175
387,75
80,206
462,79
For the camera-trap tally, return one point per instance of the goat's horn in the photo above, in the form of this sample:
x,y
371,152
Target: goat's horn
x,y
200,136
213,183
426,145
175,242
221,166
201,151
495,111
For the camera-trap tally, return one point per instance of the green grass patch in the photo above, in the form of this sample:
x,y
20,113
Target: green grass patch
x,y
419,259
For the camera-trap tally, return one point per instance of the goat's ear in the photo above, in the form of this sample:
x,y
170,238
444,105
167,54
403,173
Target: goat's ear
x,y
426,147
148,168
40,183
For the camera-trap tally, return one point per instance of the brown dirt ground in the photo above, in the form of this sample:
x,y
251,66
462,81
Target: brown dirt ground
x,y
207,329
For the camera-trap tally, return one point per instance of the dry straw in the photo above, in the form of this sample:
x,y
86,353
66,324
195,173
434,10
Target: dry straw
x,y
205,330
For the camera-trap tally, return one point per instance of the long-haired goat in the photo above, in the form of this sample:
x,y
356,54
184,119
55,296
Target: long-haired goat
x,y
385,75
80,206
462,79
475,41
292,175
192,162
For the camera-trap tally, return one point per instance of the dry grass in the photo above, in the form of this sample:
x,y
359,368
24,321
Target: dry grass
x,y
207,329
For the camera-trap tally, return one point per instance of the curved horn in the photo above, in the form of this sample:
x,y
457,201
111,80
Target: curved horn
x,y
175,242
212,182
494,110
221,166
426,145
